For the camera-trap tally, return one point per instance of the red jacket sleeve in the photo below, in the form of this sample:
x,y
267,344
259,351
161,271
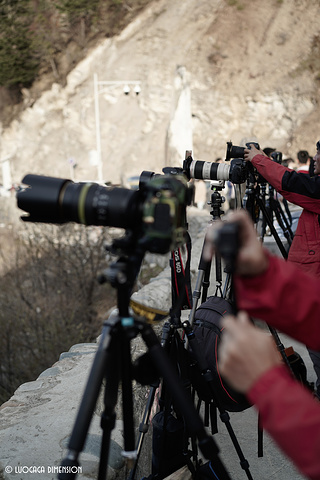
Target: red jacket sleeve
x,y
286,298
292,417
297,188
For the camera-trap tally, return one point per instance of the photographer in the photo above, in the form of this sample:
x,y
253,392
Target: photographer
x,y
248,358
302,190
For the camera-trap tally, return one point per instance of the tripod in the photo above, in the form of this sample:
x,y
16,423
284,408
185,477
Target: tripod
x,y
273,207
112,363
204,268
255,201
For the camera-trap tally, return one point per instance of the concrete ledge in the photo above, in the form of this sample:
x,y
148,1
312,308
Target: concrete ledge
x,y
36,422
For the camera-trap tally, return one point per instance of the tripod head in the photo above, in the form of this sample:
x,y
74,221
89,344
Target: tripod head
x,y
217,199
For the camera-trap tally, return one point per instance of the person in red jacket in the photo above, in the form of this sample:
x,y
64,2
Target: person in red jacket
x,y
248,357
302,190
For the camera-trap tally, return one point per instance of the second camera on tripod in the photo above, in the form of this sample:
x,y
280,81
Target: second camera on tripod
x,y
236,171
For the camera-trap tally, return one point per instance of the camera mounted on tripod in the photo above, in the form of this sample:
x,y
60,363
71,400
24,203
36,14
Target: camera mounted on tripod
x,y
154,216
236,172
276,157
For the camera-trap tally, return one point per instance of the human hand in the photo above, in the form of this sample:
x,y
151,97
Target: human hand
x,y
249,153
251,259
245,352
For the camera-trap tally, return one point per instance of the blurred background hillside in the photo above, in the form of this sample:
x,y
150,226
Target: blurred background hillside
x,y
209,71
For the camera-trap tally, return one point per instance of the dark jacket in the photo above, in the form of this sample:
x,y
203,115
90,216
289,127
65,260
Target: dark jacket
x,y
302,190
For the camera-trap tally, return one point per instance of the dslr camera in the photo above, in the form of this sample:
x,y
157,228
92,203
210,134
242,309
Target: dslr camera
x,y
236,171
155,214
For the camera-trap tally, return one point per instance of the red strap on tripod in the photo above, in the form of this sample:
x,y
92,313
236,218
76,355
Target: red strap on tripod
x,y
181,283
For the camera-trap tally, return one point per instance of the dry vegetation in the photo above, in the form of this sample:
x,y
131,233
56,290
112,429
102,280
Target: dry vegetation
x,y
61,41
50,297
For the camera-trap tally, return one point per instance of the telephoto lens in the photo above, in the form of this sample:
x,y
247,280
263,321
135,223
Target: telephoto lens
x,y
236,171
55,200
205,170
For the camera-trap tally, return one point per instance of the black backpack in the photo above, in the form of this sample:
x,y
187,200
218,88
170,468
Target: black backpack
x,y
208,332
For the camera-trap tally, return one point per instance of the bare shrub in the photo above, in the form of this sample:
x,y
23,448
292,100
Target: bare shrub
x,y
50,298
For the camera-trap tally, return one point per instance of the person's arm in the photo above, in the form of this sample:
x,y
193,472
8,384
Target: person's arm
x,y
291,416
297,188
248,358
271,289
285,297
251,363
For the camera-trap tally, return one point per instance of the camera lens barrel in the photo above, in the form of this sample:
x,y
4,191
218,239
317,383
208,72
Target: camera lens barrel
x,y
94,204
55,200
235,152
208,171
41,197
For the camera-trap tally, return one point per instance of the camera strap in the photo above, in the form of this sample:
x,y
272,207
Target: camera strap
x,y
181,283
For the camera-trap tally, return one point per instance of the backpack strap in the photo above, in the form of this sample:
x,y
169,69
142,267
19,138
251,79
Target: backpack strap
x,y
260,437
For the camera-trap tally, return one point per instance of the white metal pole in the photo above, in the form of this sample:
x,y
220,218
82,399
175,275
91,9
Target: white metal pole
x,y
98,136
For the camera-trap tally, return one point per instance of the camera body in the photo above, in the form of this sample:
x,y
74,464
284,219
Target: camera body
x,y
235,172
276,157
164,223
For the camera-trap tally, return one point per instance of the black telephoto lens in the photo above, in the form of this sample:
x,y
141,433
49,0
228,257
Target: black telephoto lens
x,y
41,198
234,151
55,200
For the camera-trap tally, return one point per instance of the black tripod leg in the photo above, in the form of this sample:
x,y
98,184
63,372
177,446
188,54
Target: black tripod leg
x,y
273,230
286,207
285,255
108,418
275,205
88,403
196,294
280,347
287,220
202,281
143,428
207,444
129,452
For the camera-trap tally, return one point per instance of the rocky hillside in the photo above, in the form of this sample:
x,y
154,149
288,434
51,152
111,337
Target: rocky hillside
x,y
230,70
